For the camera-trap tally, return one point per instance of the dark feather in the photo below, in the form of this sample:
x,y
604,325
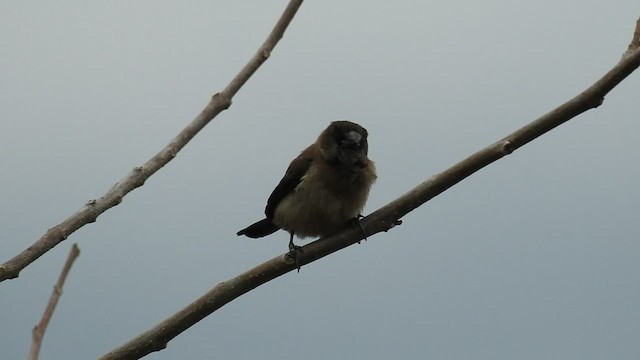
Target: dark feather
x,y
287,185
262,228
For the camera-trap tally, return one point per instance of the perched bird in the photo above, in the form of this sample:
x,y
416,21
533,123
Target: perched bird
x,y
323,189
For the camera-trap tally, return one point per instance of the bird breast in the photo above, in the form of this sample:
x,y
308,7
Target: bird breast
x,y
321,205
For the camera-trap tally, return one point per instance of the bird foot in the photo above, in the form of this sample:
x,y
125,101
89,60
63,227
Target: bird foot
x,y
356,222
292,255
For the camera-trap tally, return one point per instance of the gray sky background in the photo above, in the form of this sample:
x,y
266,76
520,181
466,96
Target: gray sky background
x,y
534,257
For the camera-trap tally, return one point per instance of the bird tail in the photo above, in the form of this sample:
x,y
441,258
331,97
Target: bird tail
x,y
262,228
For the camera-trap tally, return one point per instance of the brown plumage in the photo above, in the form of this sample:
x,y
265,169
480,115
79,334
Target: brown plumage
x,y
325,187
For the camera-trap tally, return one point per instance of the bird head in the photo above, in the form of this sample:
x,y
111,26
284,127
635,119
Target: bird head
x,y
344,143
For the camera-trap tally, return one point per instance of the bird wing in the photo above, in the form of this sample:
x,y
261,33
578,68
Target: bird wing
x,y
292,177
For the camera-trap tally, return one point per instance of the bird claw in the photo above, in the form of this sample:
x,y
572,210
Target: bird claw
x,y
293,253
356,222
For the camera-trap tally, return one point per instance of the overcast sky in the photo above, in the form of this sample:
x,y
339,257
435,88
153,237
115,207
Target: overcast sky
x,y
535,257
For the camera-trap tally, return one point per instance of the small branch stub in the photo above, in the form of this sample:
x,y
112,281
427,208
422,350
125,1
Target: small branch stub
x,y
507,147
635,42
634,45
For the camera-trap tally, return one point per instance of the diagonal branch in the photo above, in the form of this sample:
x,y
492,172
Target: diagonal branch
x,y
38,330
383,219
136,178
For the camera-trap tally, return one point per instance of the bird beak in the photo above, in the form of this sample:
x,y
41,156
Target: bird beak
x,y
352,140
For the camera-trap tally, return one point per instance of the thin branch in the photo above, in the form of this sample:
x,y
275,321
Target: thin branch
x,y
383,219
136,178
38,330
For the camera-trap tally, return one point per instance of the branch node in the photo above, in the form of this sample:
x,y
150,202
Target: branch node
x,y
266,53
159,345
138,177
221,99
288,259
507,147
635,41
390,225
6,273
91,202
597,102
63,233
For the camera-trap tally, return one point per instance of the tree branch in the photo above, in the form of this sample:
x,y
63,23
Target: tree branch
x,y
38,330
136,178
383,219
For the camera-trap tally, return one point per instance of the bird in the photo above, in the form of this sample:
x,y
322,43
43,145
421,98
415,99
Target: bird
x,y
323,189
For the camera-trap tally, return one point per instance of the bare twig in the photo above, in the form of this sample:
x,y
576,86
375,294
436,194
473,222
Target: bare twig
x,y
38,330
383,219
90,211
